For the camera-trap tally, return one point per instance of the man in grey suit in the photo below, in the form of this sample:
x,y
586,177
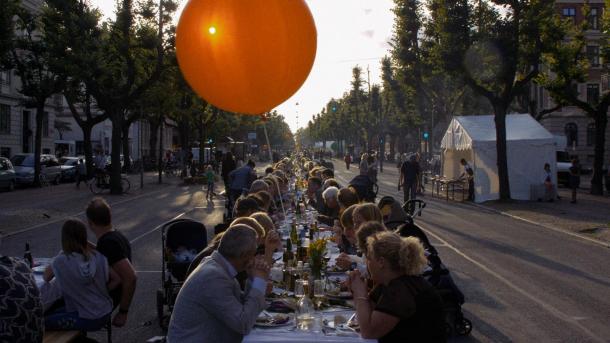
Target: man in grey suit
x,y
211,306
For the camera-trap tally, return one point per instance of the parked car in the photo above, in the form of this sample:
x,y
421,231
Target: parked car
x,y
24,168
68,167
8,179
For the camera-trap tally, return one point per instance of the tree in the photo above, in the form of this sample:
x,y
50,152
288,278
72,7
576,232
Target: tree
x,y
130,63
31,58
61,127
497,54
74,37
568,64
9,10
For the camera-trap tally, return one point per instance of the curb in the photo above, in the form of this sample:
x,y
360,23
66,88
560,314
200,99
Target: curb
x,y
588,239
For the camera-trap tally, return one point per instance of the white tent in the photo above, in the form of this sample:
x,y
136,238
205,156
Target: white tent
x,y
529,147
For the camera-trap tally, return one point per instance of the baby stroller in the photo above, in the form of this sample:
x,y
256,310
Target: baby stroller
x,y
437,273
182,240
365,188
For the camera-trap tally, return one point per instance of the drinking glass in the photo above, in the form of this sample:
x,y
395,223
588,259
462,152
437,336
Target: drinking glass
x,y
299,288
318,293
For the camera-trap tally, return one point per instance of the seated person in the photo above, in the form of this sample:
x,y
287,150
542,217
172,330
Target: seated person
x,y
403,306
19,292
346,198
244,207
345,234
330,183
330,210
273,240
314,193
361,213
84,277
257,186
221,313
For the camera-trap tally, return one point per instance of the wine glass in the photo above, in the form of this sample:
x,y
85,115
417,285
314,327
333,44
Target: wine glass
x,y
318,292
299,288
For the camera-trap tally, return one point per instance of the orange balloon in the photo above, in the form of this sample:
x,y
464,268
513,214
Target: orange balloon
x,y
246,56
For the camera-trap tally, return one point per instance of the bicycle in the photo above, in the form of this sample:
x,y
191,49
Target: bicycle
x,y
101,182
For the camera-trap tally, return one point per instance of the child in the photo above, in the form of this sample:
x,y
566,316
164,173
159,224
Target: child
x,y
210,177
84,277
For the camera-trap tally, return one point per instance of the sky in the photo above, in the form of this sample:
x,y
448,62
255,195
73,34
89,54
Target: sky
x,y
350,32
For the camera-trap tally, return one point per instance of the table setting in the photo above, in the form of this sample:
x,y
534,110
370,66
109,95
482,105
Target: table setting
x,y
308,301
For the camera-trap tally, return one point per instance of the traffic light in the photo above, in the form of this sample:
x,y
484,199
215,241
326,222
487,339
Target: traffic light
x,y
426,135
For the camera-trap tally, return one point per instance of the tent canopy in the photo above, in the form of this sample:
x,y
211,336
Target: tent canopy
x,y
529,146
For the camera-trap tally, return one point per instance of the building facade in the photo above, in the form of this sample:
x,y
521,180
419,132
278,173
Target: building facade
x,y
570,121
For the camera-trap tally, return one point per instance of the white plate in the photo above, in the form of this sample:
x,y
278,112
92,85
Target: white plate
x,y
271,325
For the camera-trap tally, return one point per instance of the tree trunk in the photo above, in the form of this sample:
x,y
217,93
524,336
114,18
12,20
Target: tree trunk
x,y
601,122
115,157
152,142
202,139
501,156
392,147
126,154
38,143
160,163
88,149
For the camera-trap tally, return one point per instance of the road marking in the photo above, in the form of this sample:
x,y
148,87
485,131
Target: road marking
x,y
544,226
10,234
549,308
157,228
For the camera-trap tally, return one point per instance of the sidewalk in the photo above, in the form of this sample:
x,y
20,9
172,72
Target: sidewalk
x,y
589,217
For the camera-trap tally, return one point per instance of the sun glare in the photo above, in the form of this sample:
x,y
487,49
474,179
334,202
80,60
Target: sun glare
x,y
212,30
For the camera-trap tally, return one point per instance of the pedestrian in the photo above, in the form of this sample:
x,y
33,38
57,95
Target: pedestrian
x,y
348,160
468,173
210,177
100,168
409,171
228,165
364,164
574,178
549,186
240,180
81,172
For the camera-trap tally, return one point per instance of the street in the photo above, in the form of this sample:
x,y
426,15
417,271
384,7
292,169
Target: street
x,y
522,282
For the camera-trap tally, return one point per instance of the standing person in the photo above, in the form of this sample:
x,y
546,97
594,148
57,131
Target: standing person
x,y
228,165
348,160
372,168
409,170
549,187
468,173
100,167
210,178
81,172
240,180
574,178
364,164
84,277
222,312
117,250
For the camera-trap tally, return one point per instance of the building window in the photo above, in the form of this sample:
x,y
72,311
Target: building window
x,y
5,77
591,134
571,131
5,119
592,93
45,124
569,13
593,19
5,152
593,55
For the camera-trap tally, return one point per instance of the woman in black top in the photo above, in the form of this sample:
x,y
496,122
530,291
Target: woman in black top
x,y
403,307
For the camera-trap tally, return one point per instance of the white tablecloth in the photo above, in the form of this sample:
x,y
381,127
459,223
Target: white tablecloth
x,y
289,334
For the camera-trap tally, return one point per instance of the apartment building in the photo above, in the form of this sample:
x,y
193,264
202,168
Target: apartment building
x,y
570,121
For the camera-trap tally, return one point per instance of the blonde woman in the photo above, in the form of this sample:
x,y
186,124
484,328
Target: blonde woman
x,y
403,306
365,213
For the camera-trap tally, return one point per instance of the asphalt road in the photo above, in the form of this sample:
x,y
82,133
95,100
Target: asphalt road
x,y
522,282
